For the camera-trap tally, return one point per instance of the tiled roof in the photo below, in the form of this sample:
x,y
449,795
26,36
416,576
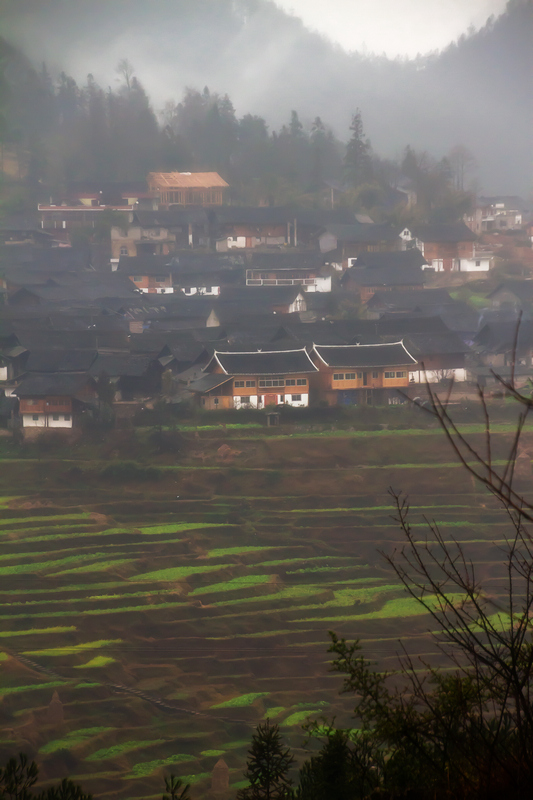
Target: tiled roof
x,y
365,355
269,362
63,385
185,180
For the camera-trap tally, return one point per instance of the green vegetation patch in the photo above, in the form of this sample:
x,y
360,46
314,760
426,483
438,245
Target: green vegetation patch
x,y
96,566
298,717
4,657
212,753
120,749
184,526
33,631
147,767
176,573
235,583
242,700
230,551
31,687
97,661
72,739
75,648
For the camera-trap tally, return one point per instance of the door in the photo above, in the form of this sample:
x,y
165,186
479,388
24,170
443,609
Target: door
x,y
271,399
365,378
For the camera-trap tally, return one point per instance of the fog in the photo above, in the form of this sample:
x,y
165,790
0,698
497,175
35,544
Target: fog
x,y
476,93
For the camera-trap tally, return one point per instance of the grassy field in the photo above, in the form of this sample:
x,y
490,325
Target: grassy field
x,y
172,616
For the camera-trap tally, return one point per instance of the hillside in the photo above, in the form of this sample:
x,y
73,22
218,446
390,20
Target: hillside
x,y
477,92
174,613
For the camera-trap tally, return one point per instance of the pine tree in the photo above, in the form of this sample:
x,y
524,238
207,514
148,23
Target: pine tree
x,y
267,766
357,160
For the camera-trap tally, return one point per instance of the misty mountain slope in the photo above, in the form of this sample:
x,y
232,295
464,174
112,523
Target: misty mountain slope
x,y
477,92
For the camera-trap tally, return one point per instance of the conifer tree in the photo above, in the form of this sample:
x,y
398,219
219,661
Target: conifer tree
x,y
267,767
357,160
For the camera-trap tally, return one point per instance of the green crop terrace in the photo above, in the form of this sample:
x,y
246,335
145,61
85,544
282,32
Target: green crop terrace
x,y
172,617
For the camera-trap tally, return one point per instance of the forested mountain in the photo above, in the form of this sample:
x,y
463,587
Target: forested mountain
x,y
476,93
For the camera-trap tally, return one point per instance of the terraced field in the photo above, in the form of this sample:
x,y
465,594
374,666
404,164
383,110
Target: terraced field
x,y
171,617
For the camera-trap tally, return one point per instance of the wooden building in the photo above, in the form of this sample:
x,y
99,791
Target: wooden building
x,y
188,188
364,374
255,379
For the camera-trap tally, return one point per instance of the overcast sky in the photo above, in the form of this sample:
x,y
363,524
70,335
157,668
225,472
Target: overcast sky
x,y
394,27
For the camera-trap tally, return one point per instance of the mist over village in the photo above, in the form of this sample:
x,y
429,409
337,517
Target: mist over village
x,y
266,376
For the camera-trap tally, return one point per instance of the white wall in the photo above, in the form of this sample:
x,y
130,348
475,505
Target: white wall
x,y
3,373
470,264
251,401
434,376
46,421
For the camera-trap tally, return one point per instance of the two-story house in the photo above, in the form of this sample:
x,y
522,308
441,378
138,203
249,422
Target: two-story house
x,y
364,374
255,379
447,247
54,400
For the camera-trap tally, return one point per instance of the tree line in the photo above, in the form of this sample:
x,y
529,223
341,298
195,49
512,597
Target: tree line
x,y
66,132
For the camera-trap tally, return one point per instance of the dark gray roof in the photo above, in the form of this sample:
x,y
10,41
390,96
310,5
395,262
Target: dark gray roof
x,y
283,260
121,365
364,232
443,232
208,382
522,289
171,218
365,355
385,276
410,300
394,258
423,344
60,360
62,384
273,362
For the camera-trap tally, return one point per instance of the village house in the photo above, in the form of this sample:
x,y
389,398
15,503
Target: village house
x,y
350,241
188,188
159,232
441,357
255,379
249,227
361,374
306,270
448,247
85,205
55,400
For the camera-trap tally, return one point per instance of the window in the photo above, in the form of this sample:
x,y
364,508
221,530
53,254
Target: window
x,y
360,375
338,376
245,400
207,289
290,382
375,374
203,401
250,384
137,278
273,382
67,417
350,376
239,384
389,375
35,417
400,374
478,263
301,382
296,398
215,401
55,417
123,251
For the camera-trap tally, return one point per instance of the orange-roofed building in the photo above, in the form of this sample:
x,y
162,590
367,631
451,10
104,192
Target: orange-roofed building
x,y
188,188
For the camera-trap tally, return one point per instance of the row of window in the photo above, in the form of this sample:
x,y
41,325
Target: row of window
x,y
267,384
350,376
245,400
55,417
